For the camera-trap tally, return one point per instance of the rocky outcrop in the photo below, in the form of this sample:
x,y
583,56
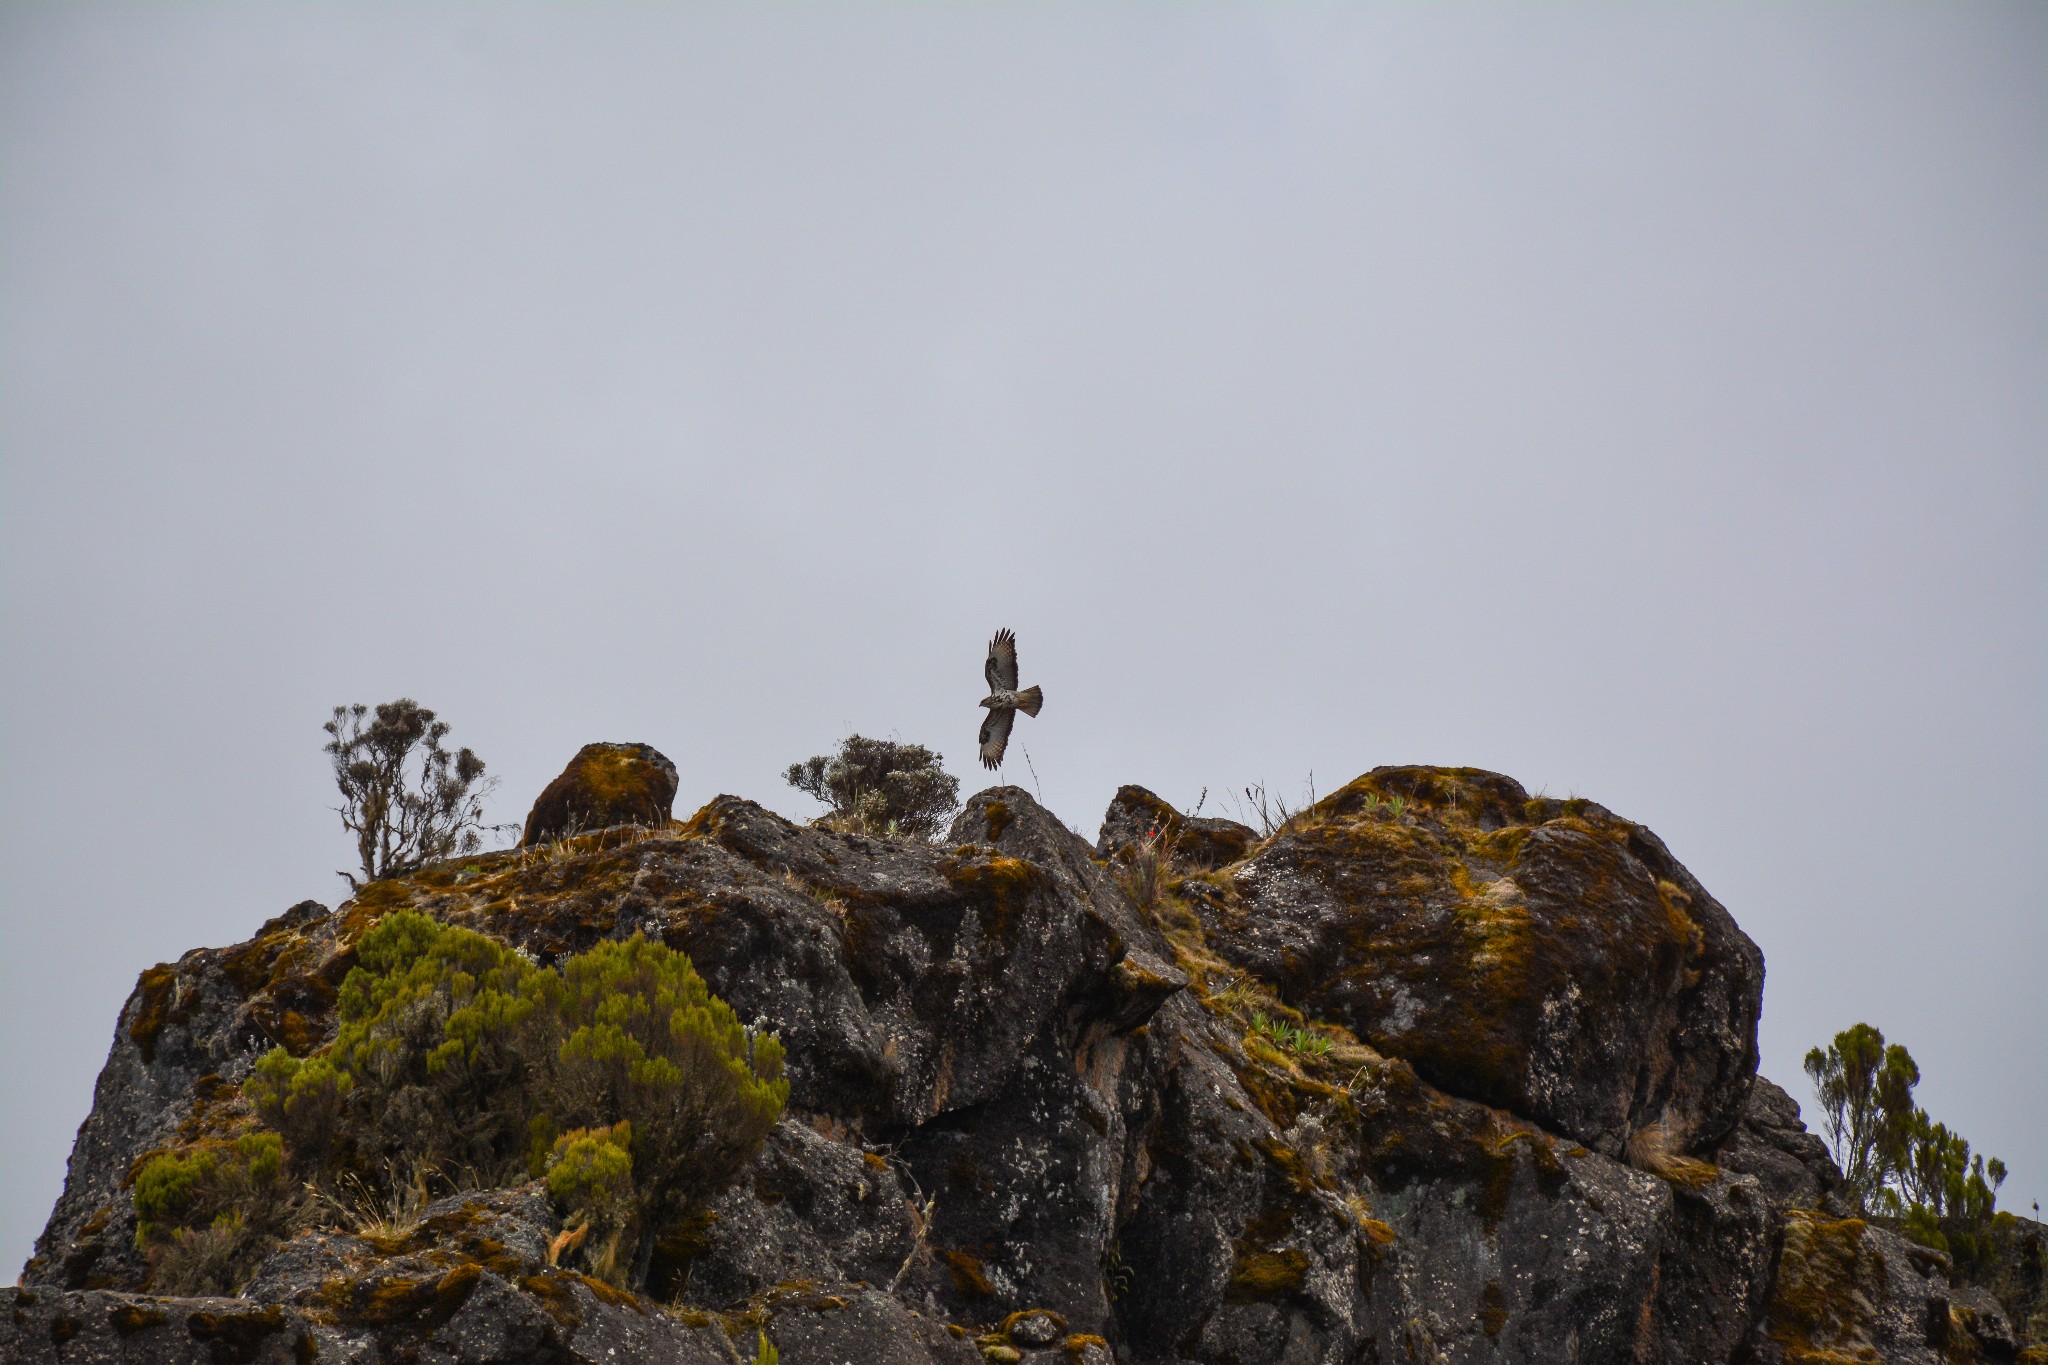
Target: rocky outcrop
x,y
1196,843
1545,956
1849,1290
1790,1164
603,786
1032,1120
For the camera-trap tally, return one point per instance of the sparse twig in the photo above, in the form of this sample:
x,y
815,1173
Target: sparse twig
x,y
923,1218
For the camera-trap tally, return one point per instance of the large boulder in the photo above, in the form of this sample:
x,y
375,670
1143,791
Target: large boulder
x,y
1545,956
1198,843
604,785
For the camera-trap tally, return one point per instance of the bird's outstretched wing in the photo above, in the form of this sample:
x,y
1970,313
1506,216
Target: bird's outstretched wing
x,y
995,733
1001,668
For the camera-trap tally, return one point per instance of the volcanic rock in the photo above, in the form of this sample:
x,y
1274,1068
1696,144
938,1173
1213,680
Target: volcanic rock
x,y
604,785
1545,956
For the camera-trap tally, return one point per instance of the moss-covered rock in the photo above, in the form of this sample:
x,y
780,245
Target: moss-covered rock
x,y
1545,956
1851,1291
603,786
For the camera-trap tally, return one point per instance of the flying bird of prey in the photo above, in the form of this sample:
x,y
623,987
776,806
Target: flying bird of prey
x,y
1003,701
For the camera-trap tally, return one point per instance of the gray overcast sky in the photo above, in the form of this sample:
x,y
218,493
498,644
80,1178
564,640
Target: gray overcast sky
x,y
1647,402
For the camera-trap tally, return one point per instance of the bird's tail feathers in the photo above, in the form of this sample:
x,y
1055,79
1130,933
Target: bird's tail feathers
x,y
1030,699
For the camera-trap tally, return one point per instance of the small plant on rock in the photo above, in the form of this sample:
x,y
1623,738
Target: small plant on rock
x,y
1292,1037
880,788
204,1215
1268,812
1144,876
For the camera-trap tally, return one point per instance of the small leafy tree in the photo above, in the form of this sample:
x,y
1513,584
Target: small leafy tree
x,y
407,800
1943,1195
1866,1099
1899,1162
878,787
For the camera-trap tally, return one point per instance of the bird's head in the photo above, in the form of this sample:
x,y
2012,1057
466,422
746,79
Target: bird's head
x,y
986,701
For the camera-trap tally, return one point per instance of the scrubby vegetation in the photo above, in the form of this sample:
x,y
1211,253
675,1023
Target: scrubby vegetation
x,y
880,788
1899,1163
620,1078
407,800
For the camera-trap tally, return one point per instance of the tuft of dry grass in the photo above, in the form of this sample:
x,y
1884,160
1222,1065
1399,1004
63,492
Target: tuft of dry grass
x,y
381,1211
1145,878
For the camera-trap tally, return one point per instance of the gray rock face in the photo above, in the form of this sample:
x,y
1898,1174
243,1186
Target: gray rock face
x,y
1848,1290
1028,1118
188,1032
1790,1164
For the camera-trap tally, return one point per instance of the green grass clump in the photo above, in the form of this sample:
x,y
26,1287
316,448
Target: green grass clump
x,y
1291,1037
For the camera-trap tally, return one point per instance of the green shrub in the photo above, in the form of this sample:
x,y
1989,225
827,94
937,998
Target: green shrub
x,y
650,1044
590,1174
204,1215
168,1186
302,1100
454,1053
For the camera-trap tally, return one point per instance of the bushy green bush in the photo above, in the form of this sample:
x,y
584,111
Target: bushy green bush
x,y
457,1054
205,1214
590,1175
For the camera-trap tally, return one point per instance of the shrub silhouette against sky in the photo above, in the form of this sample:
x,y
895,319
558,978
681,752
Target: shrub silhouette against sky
x,y
407,800
876,786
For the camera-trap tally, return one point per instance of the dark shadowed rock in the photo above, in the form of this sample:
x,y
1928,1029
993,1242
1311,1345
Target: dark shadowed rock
x,y
810,1208
1772,1144
603,786
839,1324
469,1282
1545,956
1199,843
